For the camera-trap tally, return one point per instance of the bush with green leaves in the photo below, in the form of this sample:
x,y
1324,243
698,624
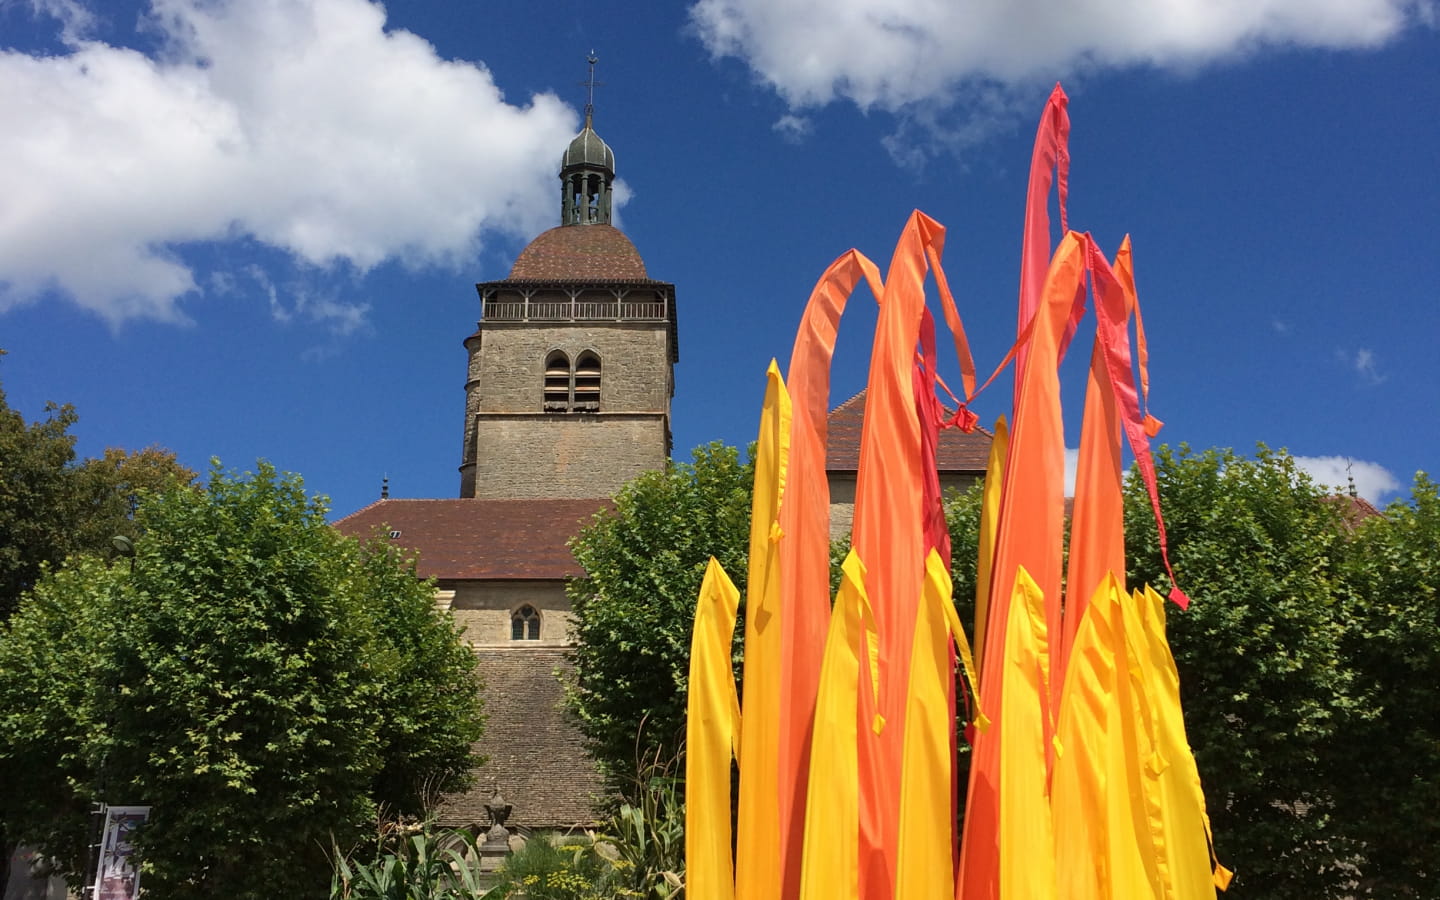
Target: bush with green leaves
x,y
261,681
552,867
647,832
413,862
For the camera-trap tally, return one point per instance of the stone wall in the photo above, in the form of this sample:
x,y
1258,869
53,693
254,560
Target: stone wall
x,y
535,754
520,456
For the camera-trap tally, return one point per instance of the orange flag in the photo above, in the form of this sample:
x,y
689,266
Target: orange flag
x,y
888,535
757,846
805,549
1029,535
1115,300
1097,530
712,729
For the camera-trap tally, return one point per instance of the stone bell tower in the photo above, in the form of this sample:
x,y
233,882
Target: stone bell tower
x,y
572,363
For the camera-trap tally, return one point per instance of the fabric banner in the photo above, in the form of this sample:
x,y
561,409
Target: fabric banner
x,y
712,731
117,876
757,845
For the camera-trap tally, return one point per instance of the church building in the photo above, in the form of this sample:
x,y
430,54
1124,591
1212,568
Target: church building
x,y
567,397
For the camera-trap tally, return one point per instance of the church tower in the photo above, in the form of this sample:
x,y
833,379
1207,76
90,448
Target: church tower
x,y
572,363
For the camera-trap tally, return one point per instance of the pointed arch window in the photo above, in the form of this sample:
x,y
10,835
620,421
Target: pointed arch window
x,y
525,624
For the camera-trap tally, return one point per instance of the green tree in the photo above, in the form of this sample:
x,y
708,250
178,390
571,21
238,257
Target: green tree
x,y
1387,767
39,506
261,681
51,506
634,609
110,488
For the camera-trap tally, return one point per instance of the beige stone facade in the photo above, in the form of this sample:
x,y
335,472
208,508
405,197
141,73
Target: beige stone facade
x,y
486,610
518,445
507,368
577,456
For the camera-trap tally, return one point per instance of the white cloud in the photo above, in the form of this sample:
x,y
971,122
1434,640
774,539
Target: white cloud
x,y
1372,480
891,54
1363,363
300,124
1365,366
792,128
1072,463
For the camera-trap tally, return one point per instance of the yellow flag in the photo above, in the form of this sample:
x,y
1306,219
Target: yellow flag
x,y
711,729
830,868
757,870
1025,836
925,862
989,519
1191,870
1100,792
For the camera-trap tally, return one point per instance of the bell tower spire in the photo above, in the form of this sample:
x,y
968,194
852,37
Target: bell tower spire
x,y
590,84
587,169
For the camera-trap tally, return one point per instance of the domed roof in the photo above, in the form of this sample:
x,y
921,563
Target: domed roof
x,y
588,150
580,253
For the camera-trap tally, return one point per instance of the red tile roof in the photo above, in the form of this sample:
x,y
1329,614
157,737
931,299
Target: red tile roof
x,y
481,539
585,252
1354,510
957,451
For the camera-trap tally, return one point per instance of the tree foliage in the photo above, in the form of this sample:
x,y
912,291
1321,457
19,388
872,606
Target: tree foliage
x,y
38,504
1387,768
636,605
259,680
51,506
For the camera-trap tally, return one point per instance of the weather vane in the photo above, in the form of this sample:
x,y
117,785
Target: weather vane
x,y
591,84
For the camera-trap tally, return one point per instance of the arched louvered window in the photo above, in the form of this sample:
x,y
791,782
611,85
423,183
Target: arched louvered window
x,y
525,624
587,382
557,382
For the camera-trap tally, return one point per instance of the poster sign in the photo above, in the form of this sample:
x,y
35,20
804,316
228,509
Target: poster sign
x,y
118,875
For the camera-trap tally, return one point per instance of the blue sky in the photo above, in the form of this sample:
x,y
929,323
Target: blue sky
x,y
252,228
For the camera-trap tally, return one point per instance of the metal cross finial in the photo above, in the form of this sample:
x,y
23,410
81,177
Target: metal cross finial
x,y
591,84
